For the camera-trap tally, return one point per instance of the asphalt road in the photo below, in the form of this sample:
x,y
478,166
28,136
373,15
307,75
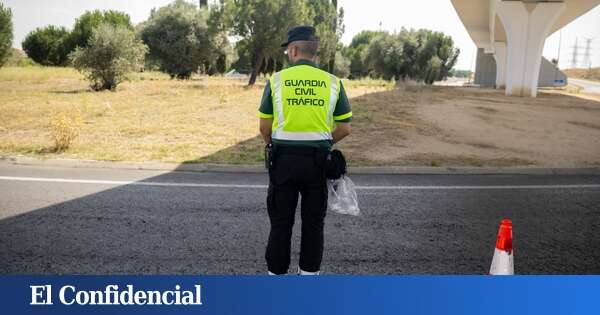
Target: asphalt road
x,y
588,86
103,221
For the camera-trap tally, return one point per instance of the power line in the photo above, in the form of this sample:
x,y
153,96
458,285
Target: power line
x,y
575,54
587,60
585,52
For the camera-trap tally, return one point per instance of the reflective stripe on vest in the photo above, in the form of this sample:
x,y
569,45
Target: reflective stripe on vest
x,y
304,98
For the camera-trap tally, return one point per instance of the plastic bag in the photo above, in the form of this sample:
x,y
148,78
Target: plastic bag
x,y
342,196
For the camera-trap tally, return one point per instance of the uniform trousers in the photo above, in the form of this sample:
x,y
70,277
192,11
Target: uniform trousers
x,y
296,172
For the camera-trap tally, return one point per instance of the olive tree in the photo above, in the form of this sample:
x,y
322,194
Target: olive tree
x,y
88,21
420,55
357,51
178,38
385,56
110,54
341,66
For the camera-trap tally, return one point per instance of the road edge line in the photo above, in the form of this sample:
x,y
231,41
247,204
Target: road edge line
x,y
245,168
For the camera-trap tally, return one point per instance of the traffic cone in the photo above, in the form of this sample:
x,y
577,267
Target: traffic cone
x,y
503,263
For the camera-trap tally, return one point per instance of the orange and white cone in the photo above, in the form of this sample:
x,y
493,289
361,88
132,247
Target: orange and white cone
x,y
503,263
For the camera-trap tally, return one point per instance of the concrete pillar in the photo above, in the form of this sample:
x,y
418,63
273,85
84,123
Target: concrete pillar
x,y
485,69
500,57
527,25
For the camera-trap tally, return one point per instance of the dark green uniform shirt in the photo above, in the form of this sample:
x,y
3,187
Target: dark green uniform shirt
x,y
341,107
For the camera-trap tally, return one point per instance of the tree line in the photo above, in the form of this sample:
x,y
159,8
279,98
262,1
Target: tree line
x,y
420,55
183,38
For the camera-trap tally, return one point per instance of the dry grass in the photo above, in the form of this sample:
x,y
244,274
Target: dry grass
x,y
592,74
64,129
153,118
150,118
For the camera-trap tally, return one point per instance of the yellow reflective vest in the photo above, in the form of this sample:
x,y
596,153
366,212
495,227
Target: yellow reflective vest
x,y
304,98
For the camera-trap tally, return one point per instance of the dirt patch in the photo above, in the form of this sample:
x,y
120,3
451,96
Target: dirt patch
x,y
487,110
449,126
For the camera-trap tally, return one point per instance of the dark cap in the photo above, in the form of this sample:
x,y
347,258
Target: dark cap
x,y
301,33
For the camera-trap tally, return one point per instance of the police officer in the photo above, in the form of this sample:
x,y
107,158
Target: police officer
x,y
304,110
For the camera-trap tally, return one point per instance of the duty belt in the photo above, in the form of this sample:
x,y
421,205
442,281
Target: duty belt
x,y
298,150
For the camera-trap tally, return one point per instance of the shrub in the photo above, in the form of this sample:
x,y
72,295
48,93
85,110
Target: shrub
x,y
178,38
47,46
6,35
90,20
342,66
111,53
64,130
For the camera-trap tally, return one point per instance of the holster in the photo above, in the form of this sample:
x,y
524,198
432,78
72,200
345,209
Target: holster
x,y
269,156
333,163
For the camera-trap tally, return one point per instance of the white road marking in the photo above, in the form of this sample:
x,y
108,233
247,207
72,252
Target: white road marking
x,y
207,185
125,182
479,187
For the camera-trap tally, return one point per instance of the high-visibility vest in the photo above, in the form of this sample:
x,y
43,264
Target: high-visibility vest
x,y
304,98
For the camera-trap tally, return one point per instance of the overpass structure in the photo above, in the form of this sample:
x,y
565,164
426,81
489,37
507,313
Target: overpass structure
x,y
514,32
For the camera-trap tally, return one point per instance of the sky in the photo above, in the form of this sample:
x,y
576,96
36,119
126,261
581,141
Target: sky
x,y
359,15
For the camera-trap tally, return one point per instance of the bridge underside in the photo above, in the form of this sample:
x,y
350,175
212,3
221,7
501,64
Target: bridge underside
x,y
514,33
